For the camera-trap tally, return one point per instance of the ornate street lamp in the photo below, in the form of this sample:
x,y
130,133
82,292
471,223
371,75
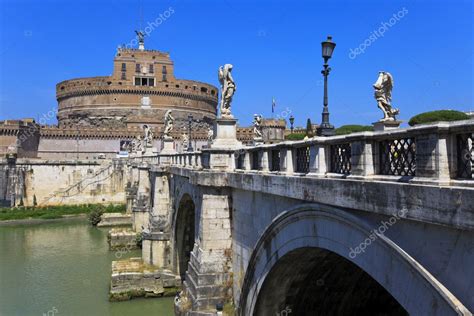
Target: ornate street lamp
x,y
190,143
326,129
292,121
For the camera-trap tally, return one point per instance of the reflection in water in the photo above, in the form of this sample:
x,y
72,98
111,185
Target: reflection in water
x,y
63,268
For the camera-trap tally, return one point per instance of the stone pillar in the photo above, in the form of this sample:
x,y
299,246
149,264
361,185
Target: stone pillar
x,y
132,187
447,157
434,152
265,163
156,239
198,161
318,164
247,165
363,158
168,147
208,276
226,136
155,249
286,160
141,209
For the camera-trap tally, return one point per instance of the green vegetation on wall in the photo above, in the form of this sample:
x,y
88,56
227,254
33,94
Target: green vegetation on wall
x,y
348,129
49,212
295,136
437,116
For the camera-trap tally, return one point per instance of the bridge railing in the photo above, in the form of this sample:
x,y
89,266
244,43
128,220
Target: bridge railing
x,y
433,152
441,152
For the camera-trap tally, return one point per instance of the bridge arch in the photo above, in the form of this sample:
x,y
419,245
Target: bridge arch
x,y
184,233
305,249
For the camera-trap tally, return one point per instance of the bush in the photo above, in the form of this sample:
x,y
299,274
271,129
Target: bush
x,y
437,116
96,215
348,129
139,240
295,136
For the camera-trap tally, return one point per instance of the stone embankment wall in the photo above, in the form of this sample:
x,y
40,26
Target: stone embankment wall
x,y
62,182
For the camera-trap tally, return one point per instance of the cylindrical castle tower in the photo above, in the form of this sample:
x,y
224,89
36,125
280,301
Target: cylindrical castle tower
x,y
140,90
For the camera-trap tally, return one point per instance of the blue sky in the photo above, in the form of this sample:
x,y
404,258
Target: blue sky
x,y
275,47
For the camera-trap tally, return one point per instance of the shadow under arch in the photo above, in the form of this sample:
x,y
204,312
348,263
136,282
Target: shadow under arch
x,y
184,234
318,235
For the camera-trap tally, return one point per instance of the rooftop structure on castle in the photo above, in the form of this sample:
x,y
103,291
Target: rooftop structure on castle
x,y
140,90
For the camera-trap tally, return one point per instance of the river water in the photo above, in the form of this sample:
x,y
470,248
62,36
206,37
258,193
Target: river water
x,y
63,268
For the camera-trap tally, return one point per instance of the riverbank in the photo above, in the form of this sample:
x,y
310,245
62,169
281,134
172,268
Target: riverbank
x,y
36,214
64,266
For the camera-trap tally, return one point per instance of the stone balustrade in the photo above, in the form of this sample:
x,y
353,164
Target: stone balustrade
x,y
436,153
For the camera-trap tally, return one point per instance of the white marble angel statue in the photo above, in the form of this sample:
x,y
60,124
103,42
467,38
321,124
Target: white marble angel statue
x,y
383,94
169,120
227,90
148,137
257,126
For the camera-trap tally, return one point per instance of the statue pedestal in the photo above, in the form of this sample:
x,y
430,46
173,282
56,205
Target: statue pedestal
x,y
386,125
258,141
168,147
150,151
226,135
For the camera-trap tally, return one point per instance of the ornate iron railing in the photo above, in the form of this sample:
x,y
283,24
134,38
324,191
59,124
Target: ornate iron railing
x,y
341,158
465,155
255,160
398,157
302,159
275,157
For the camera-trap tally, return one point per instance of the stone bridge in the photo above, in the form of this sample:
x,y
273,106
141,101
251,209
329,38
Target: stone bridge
x,y
365,224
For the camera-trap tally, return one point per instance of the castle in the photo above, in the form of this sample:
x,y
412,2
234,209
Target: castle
x,y
99,116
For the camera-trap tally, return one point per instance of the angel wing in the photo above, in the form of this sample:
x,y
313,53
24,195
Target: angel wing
x,y
389,86
220,75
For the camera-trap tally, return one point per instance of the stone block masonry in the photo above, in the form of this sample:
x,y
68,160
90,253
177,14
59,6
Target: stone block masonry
x,y
132,278
63,182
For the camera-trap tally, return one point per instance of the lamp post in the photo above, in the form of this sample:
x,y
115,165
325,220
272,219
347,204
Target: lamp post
x,y
326,129
292,121
190,143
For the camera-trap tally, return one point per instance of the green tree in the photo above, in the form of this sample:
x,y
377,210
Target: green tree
x,y
309,128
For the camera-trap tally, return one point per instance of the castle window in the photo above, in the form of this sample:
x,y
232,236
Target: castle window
x,y
143,81
164,77
151,70
137,67
124,67
204,89
164,70
213,92
177,86
124,77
